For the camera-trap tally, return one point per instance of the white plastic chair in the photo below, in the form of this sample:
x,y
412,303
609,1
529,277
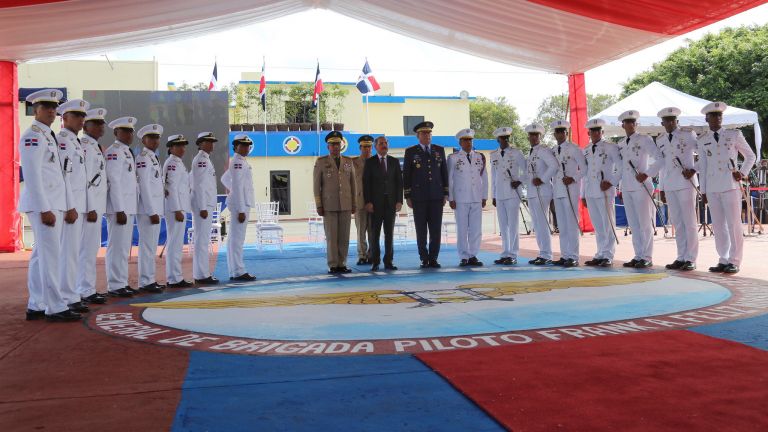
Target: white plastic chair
x,y
315,229
449,225
402,229
268,230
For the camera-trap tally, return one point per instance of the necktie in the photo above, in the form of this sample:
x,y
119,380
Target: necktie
x,y
54,138
338,162
594,147
383,164
559,148
426,149
717,137
502,153
627,141
670,138
469,158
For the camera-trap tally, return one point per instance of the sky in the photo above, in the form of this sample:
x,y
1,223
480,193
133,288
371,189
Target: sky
x,y
341,45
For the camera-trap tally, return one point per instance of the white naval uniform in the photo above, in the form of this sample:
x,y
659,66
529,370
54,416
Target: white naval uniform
x,y
641,213
44,190
95,200
602,163
203,177
541,163
240,199
716,161
150,178
468,187
122,196
504,170
679,191
571,156
72,162
177,198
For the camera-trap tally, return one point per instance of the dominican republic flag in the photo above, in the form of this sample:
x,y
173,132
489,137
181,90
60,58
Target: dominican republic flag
x,y
263,89
366,83
214,78
318,87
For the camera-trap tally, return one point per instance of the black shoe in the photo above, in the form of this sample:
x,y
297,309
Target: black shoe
x,y
464,263
210,280
502,260
539,261
424,264
78,307
688,266
180,284
560,262
374,267
434,264
630,263
570,262
131,290
390,266
676,265
593,262
511,261
643,264
33,315
65,316
731,268
120,292
95,299
605,262
245,277
475,262
152,288
362,261
344,269
719,268
332,270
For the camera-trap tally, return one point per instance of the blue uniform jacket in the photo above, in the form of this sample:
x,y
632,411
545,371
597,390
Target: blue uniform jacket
x,y
425,175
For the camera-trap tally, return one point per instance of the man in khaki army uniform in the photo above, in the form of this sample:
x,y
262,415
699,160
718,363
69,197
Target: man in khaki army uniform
x,y
362,217
334,187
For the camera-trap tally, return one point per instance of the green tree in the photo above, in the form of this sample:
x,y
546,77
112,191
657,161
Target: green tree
x,y
201,86
729,66
556,107
485,115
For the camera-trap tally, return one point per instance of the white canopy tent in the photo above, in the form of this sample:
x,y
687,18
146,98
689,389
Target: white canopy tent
x,y
655,96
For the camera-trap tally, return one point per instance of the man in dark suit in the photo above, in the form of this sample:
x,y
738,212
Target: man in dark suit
x,y
425,183
383,194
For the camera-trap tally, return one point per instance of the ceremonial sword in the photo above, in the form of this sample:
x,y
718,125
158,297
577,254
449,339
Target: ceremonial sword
x,y
538,198
656,206
570,202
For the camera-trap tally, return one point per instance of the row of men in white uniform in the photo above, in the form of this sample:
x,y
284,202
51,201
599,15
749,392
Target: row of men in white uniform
x,y
69,183
568,173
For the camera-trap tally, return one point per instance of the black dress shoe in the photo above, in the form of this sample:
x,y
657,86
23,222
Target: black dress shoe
x,y
434,264
390,267
643,263
539,261
464,263
245,277
344,269
375,267
731,268
559,262
593,262
510,261
502,260
95,299
719,268
475,262
424,264
78,307
688,266
180,284
676,265
65,316
362,261
210,280
131,290
605,262
630,263
570,262
152,288
33,315
120,292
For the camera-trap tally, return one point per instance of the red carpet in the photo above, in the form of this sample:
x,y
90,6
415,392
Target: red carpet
x,y
658,381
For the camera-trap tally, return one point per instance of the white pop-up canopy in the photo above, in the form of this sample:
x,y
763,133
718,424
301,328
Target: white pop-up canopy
x,y
649,100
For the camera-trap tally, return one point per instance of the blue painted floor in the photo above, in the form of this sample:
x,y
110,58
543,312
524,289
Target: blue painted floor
x,y
750,331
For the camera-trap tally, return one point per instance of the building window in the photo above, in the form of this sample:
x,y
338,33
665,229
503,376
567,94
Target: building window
x,y
29,110
409,122
280,190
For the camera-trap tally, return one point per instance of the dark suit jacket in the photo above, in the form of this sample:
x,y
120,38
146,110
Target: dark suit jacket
x,y
380,189
425,175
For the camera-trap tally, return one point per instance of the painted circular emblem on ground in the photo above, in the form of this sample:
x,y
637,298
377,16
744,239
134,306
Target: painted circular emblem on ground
x,y
414,311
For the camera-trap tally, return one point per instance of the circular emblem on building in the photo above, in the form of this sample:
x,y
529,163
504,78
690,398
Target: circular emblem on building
x,y
414,311
292,145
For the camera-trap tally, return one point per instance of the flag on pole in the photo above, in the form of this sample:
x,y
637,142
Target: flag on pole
x,y
263,89
318,87
366,83
214,78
